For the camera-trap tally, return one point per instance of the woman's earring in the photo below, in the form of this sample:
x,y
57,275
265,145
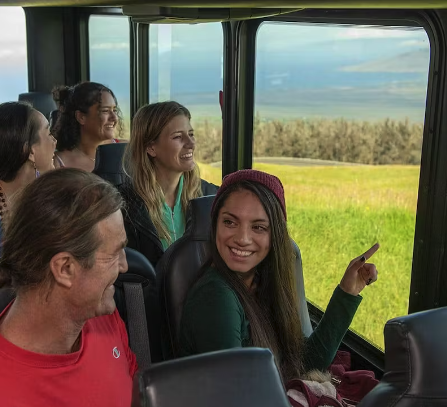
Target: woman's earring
x,y
36,170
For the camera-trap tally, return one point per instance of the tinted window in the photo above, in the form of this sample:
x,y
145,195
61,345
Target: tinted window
x,y
109,46
339,118
186,66
13,58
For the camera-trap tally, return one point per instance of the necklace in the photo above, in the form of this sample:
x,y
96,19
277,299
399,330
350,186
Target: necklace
x,y
2,202
92,159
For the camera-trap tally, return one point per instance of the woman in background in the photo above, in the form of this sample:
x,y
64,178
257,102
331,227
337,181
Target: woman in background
x,y
26,150
88,117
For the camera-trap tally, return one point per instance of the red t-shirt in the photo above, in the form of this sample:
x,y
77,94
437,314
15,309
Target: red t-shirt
x,y
100,374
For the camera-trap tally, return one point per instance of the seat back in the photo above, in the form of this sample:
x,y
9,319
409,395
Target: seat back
x,y
54,116
236,377
141,271
179,268
6,296
180,265
41,101
415,362
109,162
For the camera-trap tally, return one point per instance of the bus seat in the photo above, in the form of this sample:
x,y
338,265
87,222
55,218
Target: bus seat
x,y
179,268
54,115
41,101
236,377
141,271
415,362
6,296
108,163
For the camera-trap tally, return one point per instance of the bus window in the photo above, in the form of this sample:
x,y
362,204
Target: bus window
x,y
109,46
186,65
13,59
339,116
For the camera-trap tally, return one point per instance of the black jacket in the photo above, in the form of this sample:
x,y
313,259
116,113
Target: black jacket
x,y
141,233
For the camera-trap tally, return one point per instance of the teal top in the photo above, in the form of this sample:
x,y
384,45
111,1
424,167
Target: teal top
x,y
213,319
174,219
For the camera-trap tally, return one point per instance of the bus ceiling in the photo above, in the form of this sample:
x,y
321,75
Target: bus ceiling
x,y
236,4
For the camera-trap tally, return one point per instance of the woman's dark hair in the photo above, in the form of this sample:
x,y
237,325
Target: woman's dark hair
x,y
272,308
19,128
82,96
58,212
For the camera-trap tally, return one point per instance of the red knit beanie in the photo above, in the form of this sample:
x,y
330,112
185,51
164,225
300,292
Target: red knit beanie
x,y
269,181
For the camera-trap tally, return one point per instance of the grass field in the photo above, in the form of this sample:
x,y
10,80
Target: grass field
x,y
335,214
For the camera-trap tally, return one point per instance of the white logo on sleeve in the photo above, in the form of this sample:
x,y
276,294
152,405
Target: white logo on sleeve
x,y
116,352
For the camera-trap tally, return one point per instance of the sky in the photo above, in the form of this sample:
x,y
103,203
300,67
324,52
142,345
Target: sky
x,y
316,43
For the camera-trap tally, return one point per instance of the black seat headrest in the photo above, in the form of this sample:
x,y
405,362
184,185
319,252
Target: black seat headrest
x,y
198,225
179,268
7,294
108,163
415,362
54,115
41,101
236,377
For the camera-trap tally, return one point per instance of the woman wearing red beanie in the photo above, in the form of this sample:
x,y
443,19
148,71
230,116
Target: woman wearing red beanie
x,y
246,294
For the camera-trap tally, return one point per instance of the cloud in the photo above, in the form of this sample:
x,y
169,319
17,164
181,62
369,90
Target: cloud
x,y
165,46
368,32
12,24
414,43
18,52
110,45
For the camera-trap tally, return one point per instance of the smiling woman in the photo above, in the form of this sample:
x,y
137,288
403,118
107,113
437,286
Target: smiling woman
x,y
89,116
246,293
163,177
26,150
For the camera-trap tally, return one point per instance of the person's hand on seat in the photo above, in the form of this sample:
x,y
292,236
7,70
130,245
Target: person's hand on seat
x,y
359,273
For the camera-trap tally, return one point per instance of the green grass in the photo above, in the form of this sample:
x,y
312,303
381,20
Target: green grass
x,y
337,213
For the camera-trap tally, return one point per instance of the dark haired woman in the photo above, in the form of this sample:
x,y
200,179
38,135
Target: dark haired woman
x,y
163,177
26,150
247,296
88,116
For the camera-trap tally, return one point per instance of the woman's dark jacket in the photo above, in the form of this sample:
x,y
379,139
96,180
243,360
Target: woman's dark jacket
x,y
141,233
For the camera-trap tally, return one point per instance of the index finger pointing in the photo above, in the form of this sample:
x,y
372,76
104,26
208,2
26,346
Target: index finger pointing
x,y
371,251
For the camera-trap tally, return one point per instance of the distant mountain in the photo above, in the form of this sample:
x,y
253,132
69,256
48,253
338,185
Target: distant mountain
x,y
409,62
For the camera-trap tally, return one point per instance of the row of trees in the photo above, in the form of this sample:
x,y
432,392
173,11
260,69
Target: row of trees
x,y
384,142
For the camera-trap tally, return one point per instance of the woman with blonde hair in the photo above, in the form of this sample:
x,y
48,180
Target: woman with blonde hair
x,y
163,177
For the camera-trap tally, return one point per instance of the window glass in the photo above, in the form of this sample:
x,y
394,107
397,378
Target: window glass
x,y
339,118
186,65
13,58
109,46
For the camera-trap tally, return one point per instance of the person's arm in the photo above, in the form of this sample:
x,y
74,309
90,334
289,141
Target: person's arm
x,y
212,320
322,345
